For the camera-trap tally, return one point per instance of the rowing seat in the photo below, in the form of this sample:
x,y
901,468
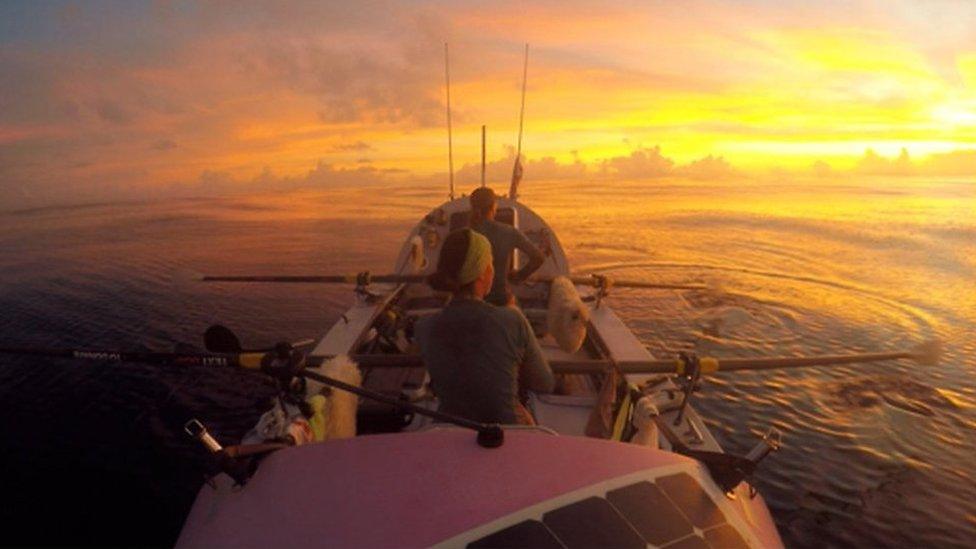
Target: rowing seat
x,y
378,417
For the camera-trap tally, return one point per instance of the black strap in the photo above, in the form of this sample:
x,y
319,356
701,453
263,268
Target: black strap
x,y
727,470
247,450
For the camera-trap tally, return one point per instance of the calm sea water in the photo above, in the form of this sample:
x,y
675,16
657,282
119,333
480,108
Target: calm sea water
x,y
874,455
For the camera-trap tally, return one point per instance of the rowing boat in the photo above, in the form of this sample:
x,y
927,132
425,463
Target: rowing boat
x,y
350,454
600,468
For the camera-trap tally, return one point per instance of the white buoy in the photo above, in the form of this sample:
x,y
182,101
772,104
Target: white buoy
x,y
567,315
418,258
340,413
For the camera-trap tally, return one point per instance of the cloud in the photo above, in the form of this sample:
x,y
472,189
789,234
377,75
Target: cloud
x,y
709,167
163,145
355,146
111,111
955,163
500,169
323,174
874,164
821,168
91,95
641,163
958,163
353,84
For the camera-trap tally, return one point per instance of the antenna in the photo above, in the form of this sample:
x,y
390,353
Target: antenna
x,y
482,155
450,144
517,168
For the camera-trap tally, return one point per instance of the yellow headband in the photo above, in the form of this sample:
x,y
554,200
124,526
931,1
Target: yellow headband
x,y
477,259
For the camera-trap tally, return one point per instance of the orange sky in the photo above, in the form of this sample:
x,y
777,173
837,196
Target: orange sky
x,y
101,99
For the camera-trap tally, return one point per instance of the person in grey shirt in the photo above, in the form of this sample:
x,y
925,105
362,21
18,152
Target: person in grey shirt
x,y
478,355
504,240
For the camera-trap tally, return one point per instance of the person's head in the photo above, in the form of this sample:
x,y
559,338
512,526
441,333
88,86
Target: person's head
x,y
464,266
483,204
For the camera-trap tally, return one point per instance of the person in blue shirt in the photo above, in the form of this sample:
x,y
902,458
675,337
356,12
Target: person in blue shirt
x,y
478,355
505,239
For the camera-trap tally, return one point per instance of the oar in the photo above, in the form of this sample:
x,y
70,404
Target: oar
x,y
590,280
245,360
221,339
608,282
223,346
925,354
315,279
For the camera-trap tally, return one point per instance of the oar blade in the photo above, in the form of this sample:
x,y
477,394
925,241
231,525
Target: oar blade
x,y
597,280
928,353
363,278
220,339
658,285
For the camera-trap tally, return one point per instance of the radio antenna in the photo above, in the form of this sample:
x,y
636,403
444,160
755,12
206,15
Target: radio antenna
x,y
517,168
450,140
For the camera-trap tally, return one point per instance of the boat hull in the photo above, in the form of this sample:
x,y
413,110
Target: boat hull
x,y
427,485
439,488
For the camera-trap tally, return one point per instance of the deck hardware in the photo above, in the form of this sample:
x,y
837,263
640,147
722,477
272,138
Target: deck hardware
x,y
690,376
197,430
602,285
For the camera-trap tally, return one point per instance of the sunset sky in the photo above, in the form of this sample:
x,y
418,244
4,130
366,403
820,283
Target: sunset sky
x,y
99,98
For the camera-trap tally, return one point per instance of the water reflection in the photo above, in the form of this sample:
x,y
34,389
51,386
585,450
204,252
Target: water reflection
x,y
874,455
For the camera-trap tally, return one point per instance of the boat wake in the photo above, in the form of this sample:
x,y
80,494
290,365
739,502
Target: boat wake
x,y
896,391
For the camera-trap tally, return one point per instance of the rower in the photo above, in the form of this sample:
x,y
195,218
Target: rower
x,y
473,350
504,239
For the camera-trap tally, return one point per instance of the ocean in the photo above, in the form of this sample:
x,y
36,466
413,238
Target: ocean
x,y
873,455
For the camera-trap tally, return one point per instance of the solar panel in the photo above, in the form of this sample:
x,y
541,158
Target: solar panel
x,y
592,522
691,498
670,511
725,536
650,512
529,533
692,542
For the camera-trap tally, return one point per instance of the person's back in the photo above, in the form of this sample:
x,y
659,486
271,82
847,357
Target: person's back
x,y
505,239
472,351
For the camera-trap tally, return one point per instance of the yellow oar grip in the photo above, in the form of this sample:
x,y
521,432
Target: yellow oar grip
x,y
708,365
622,416
251,360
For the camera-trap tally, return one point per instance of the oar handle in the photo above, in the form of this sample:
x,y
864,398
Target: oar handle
x,y
610,282
315,279
594,366
585,366
732,364
590,280
245,360
667,366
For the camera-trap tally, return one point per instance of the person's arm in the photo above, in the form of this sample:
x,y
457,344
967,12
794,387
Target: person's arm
x,y
536,257
535,373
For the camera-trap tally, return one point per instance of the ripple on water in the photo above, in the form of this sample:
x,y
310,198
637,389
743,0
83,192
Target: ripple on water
x,y
859,441
877,455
